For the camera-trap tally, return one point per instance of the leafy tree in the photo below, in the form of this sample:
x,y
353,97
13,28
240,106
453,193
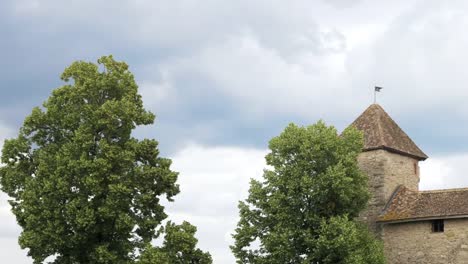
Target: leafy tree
x,y
179,247
301,211
342,241
82,188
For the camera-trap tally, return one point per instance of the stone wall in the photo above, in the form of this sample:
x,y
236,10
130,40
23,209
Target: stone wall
x,y
414,242
400,170
386,171
373,164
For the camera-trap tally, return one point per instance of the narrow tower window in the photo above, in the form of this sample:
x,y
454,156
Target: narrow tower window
x,y
438,226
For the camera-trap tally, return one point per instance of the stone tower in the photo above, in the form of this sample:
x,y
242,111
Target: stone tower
x,y
390,159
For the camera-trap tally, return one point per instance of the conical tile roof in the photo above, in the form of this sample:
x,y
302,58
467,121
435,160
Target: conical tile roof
x,y
381,132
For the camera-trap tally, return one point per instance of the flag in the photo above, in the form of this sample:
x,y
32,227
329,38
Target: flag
x,y
377,88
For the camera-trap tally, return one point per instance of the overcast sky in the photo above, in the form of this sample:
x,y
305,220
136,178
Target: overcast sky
x,y
223,77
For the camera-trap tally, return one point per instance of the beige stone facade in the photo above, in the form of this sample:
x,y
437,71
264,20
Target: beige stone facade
x,y
386,172
414,242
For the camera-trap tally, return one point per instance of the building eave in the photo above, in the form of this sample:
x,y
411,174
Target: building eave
x,y
421,219
396,151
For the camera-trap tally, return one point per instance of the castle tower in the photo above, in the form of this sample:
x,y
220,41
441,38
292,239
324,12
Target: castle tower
x,y
390,159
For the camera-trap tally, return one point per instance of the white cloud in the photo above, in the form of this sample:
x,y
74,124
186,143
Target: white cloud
x,y
10,251
213,180
444,172
420,58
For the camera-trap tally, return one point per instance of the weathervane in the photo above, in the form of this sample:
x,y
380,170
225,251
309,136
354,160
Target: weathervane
x,y
376,89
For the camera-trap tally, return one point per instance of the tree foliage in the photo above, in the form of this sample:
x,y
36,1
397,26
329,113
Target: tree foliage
x,y
82,188
179,247
343,241
301,211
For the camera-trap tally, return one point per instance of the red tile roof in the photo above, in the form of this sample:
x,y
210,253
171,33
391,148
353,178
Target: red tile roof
x,y
406,205
381,132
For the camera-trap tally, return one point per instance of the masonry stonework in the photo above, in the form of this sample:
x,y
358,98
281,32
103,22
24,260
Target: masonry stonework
x,y
373,164
414,242
386,171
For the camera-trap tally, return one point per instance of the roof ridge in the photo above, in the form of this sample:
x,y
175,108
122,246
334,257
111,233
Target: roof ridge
x,y
445,190
379,125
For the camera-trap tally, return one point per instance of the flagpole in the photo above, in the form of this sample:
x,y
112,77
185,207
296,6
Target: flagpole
x,y
376,89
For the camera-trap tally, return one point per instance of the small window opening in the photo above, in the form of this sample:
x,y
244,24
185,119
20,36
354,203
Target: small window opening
x,y
438,226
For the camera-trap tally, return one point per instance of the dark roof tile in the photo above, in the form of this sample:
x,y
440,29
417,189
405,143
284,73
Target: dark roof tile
x,y
381,132
407,205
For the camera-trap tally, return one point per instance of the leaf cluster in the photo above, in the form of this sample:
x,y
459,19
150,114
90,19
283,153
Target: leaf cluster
x,y
179,247
314,179
82,188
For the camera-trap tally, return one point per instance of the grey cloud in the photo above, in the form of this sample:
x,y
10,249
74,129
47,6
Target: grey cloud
x,y
230,66
43,37
236,72
5,132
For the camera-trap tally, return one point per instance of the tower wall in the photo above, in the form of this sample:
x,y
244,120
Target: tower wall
x,y
386,171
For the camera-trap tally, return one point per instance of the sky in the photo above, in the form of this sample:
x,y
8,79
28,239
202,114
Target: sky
x,y
224,77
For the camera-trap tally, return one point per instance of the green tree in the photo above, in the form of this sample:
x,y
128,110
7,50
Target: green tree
x,y
302,210
82,188
343,241
179,247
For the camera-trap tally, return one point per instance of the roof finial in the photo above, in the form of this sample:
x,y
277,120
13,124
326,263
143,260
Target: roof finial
x,y
376,89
